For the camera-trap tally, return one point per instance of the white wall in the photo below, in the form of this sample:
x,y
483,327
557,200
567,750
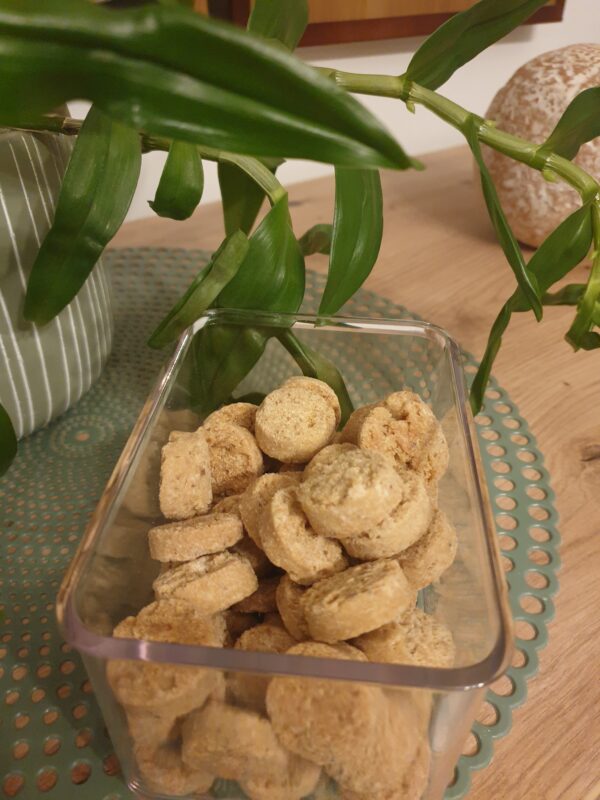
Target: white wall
x,y
473,86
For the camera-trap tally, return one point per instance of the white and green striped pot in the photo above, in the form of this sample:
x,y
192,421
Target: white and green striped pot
x,y
43,370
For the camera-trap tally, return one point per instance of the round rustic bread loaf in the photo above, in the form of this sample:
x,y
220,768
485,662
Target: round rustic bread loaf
x,y
530,105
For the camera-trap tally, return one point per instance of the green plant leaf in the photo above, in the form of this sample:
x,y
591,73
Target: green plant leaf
x,y
579,334
171,73
241,196
95,195
357,232
8,441
222,357
204,289
315,365
482,376
567,296
283,20
181,184
316,240
271,277
243,185
525,278
580,123
464,36
559,253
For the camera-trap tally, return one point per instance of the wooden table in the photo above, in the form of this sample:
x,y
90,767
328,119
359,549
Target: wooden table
x,y
440,259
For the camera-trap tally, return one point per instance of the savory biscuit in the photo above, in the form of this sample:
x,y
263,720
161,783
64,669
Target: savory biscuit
x,y
235,459
210,583
237,622
406,523
352,729
416,638
355,601
321,388
191,538
228,505
235,743
257,496
185,476
163,771
432,554
293,423
290,542
149,728
262,601
405,428
257,558
288,598
169,690
177,622
247,689
241,414
350,493
298,781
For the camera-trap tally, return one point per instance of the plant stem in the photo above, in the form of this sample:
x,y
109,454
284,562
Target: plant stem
x,y
259,173
535,156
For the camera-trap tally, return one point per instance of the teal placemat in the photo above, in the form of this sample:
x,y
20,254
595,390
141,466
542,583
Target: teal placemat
x,y
53,740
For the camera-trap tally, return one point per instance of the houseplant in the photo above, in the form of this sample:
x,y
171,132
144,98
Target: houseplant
x,y
161,77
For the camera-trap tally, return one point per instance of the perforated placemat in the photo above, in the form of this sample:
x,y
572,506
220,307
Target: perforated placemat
x,y
53,740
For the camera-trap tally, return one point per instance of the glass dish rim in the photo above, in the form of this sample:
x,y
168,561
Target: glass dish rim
x,y
472,676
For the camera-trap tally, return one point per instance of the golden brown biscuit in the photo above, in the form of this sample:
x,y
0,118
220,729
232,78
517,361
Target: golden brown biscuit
x,y
175,621
355,601
416,638
238,622
257,558
414,781
235,743
262,600
362,738
228,505
327,456
169,690
432,462
257,496
194,537
299,780
290,542
293,423
249,690
151,729
350,493
288,598
407,523
210,583
185,476
321,388
405,428
241,414
432,554
235,459
163,771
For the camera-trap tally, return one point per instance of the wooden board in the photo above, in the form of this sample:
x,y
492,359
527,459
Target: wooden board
x,y
336,21
440,259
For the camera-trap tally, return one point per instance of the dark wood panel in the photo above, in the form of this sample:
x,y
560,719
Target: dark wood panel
x,y
377,29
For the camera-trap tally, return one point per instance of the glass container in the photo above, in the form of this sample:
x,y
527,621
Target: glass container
x,y
384,731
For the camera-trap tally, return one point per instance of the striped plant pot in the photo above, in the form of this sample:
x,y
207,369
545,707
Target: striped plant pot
x,y
43,370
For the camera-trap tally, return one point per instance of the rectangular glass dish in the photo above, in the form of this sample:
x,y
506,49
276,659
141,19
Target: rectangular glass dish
x,y
396,729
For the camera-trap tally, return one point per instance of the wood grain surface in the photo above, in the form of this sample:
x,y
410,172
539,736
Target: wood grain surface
x,y
440,259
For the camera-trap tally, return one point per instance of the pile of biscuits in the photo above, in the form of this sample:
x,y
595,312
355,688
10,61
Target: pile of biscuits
x,y
286,535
